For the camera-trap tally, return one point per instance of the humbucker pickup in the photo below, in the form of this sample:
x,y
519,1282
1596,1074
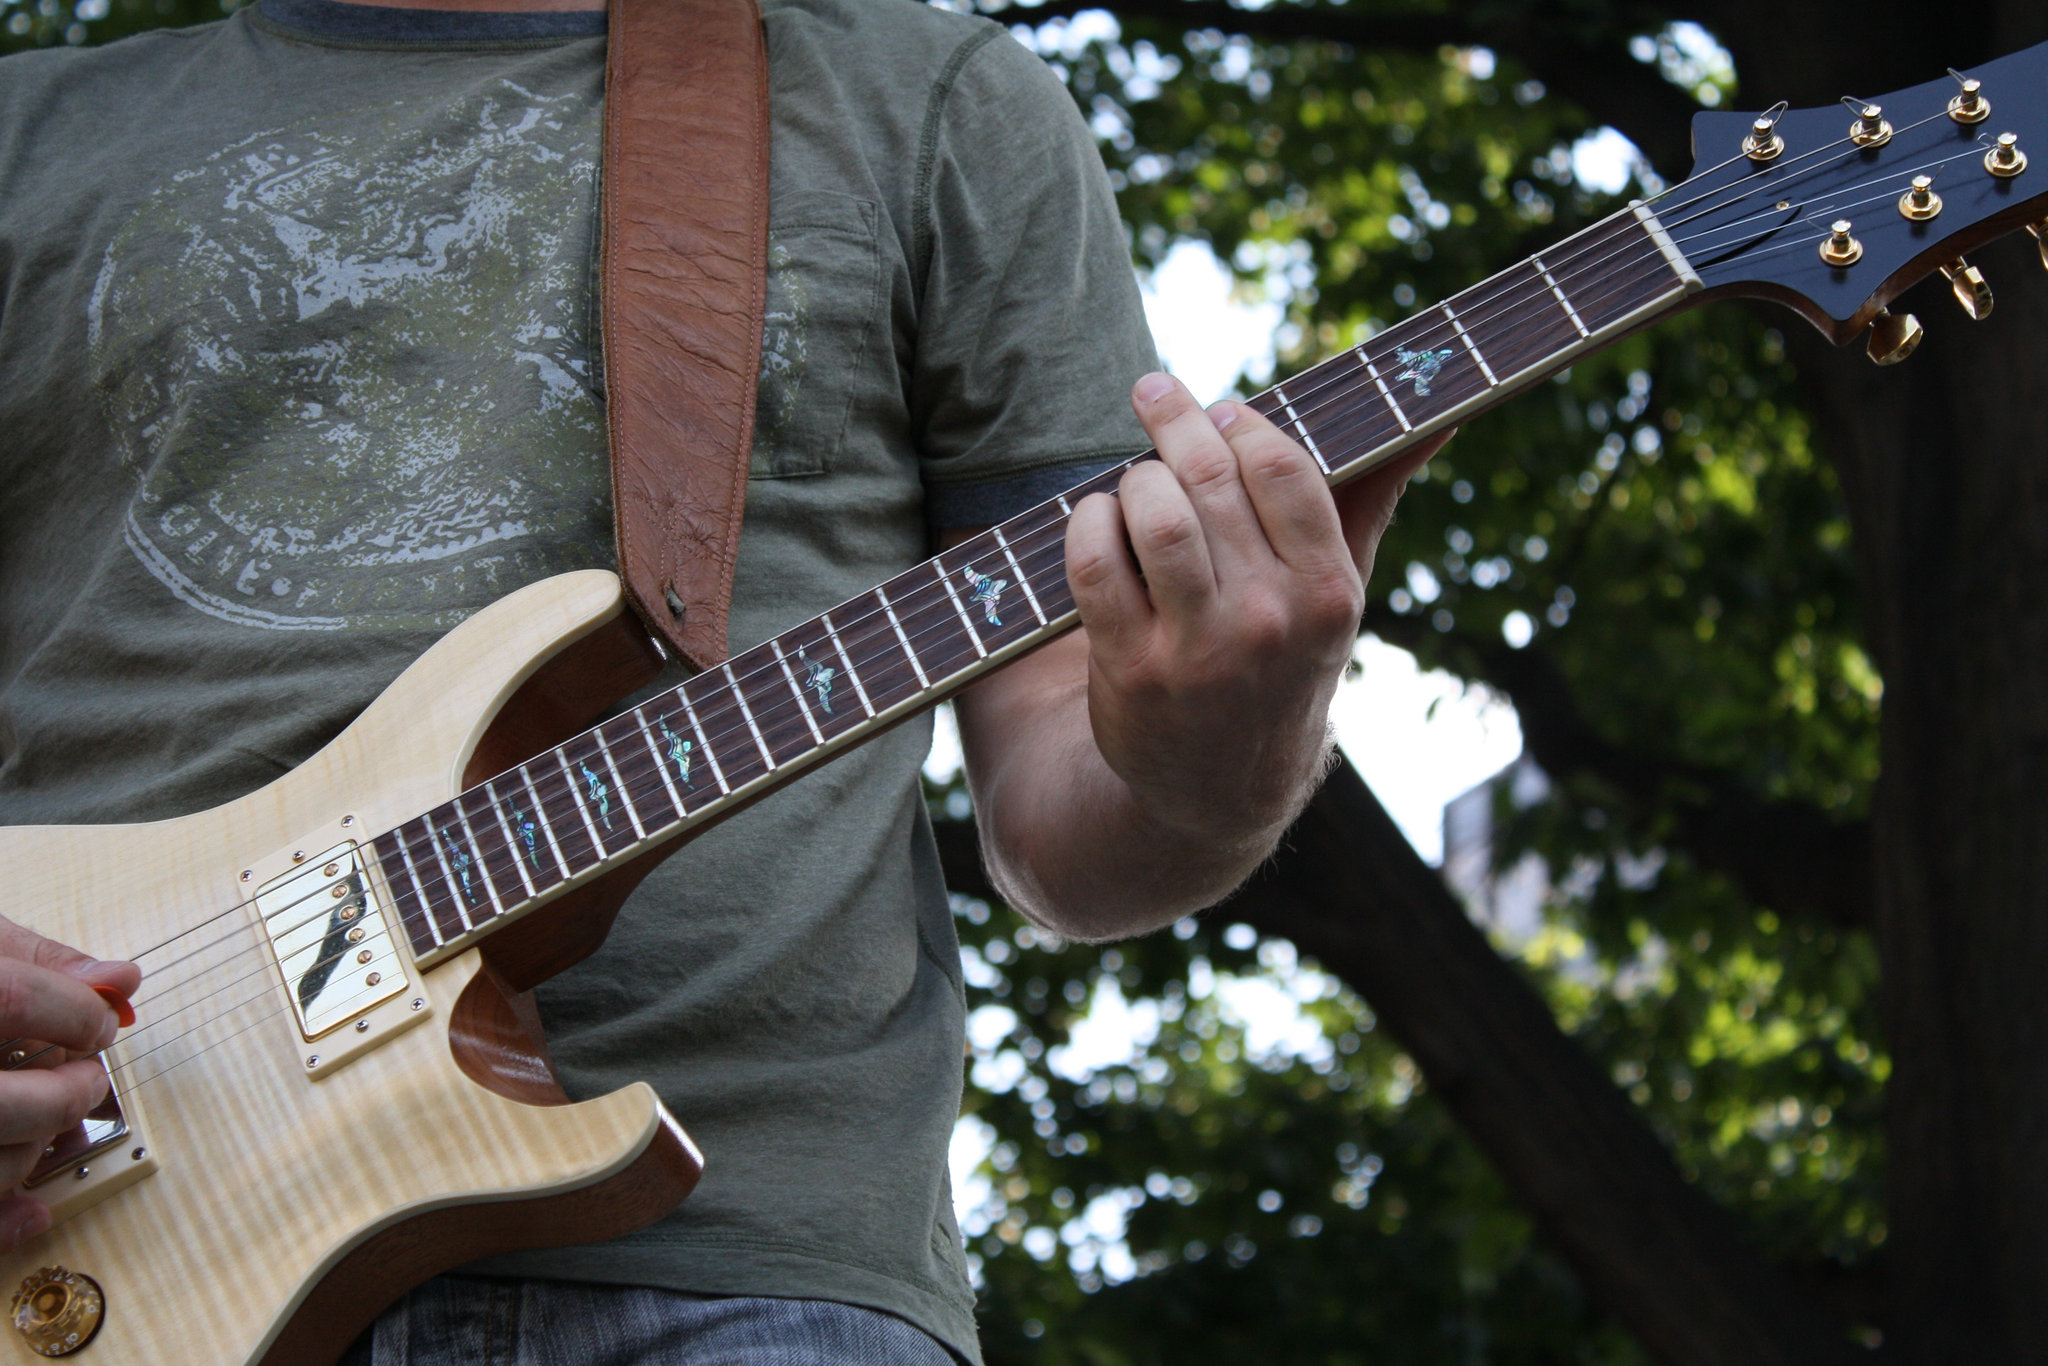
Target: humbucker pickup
x,y
333,942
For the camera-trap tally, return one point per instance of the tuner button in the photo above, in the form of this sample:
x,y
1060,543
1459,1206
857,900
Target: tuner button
x,y
1971,290
1921,202
2006,160
1840,249
2040,232
1893,337
1970,106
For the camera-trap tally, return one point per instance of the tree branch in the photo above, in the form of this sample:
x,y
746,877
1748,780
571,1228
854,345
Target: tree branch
x,y
1786,855
1589,65
1348,890
1667,1262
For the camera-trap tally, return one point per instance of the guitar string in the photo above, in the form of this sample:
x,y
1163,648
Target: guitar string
x,y
793,707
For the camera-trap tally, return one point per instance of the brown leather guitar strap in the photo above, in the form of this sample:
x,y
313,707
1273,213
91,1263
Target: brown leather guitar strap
x,y
683,285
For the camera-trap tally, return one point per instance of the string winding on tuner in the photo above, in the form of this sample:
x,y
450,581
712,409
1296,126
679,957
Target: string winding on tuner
x,y
1870,129
2005,160
1970,106
1763,143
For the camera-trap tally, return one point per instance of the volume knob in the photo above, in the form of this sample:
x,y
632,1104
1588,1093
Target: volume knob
x,y
58,1311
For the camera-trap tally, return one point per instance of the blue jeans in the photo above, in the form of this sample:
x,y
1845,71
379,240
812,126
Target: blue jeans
x,y
467,1321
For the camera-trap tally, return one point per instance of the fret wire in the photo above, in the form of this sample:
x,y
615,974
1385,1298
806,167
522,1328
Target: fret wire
x,y
1301,427
545,822
847,659
767,756
1023,579
789,676
512,841
717,769
1385,392
412,871
916,665
946,582
1466,338
582,808
476,853
1558,290
1065,506
660,762
625,794
411,920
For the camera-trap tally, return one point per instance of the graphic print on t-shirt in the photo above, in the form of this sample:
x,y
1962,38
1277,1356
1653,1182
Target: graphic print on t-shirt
x,y
348,364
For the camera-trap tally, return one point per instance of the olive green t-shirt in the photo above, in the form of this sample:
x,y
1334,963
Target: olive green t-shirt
x,y
298,370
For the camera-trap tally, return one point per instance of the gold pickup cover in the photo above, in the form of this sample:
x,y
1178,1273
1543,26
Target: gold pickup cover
x,y
332,939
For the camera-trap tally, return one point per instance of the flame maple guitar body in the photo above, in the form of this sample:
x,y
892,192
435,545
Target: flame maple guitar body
x,y
280,1212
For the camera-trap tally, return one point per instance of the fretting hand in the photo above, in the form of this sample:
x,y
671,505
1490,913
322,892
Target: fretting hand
x,y
1140,768
47,1001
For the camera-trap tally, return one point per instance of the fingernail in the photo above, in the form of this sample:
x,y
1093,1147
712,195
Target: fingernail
x,y
1223,414
1153,387
33,1224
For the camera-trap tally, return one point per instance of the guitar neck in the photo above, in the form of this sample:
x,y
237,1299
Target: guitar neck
x,y
729,735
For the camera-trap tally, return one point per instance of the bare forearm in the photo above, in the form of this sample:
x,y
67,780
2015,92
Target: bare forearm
x,y
1070,843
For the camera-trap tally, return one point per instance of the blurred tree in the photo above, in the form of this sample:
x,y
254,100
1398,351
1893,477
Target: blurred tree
x,y
1695,565
1766,1084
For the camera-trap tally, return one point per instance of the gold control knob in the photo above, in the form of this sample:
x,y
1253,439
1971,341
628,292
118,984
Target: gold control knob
x,y
1970,106
57,1311
1839,249
1972,292
1921,202
1893,337
1870,128
2006,160
2040,232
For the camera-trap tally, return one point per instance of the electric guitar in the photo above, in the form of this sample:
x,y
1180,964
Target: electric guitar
x,y
336,1088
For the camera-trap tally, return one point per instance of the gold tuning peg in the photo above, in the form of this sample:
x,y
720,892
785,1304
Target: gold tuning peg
x,y
1894,336
2040,231
1971,290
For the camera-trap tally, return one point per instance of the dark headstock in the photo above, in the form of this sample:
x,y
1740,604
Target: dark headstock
x,y
1758,215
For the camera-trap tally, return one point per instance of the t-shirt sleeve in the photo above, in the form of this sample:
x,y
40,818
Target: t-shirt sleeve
x,y
1030,327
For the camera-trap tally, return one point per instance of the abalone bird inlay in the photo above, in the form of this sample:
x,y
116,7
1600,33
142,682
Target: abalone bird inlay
x,y
987,591
523,826
1422,366
818,678
459,861
600,795
678,751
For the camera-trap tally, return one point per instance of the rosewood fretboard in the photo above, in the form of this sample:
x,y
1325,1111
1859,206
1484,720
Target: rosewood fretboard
x,y
728,735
